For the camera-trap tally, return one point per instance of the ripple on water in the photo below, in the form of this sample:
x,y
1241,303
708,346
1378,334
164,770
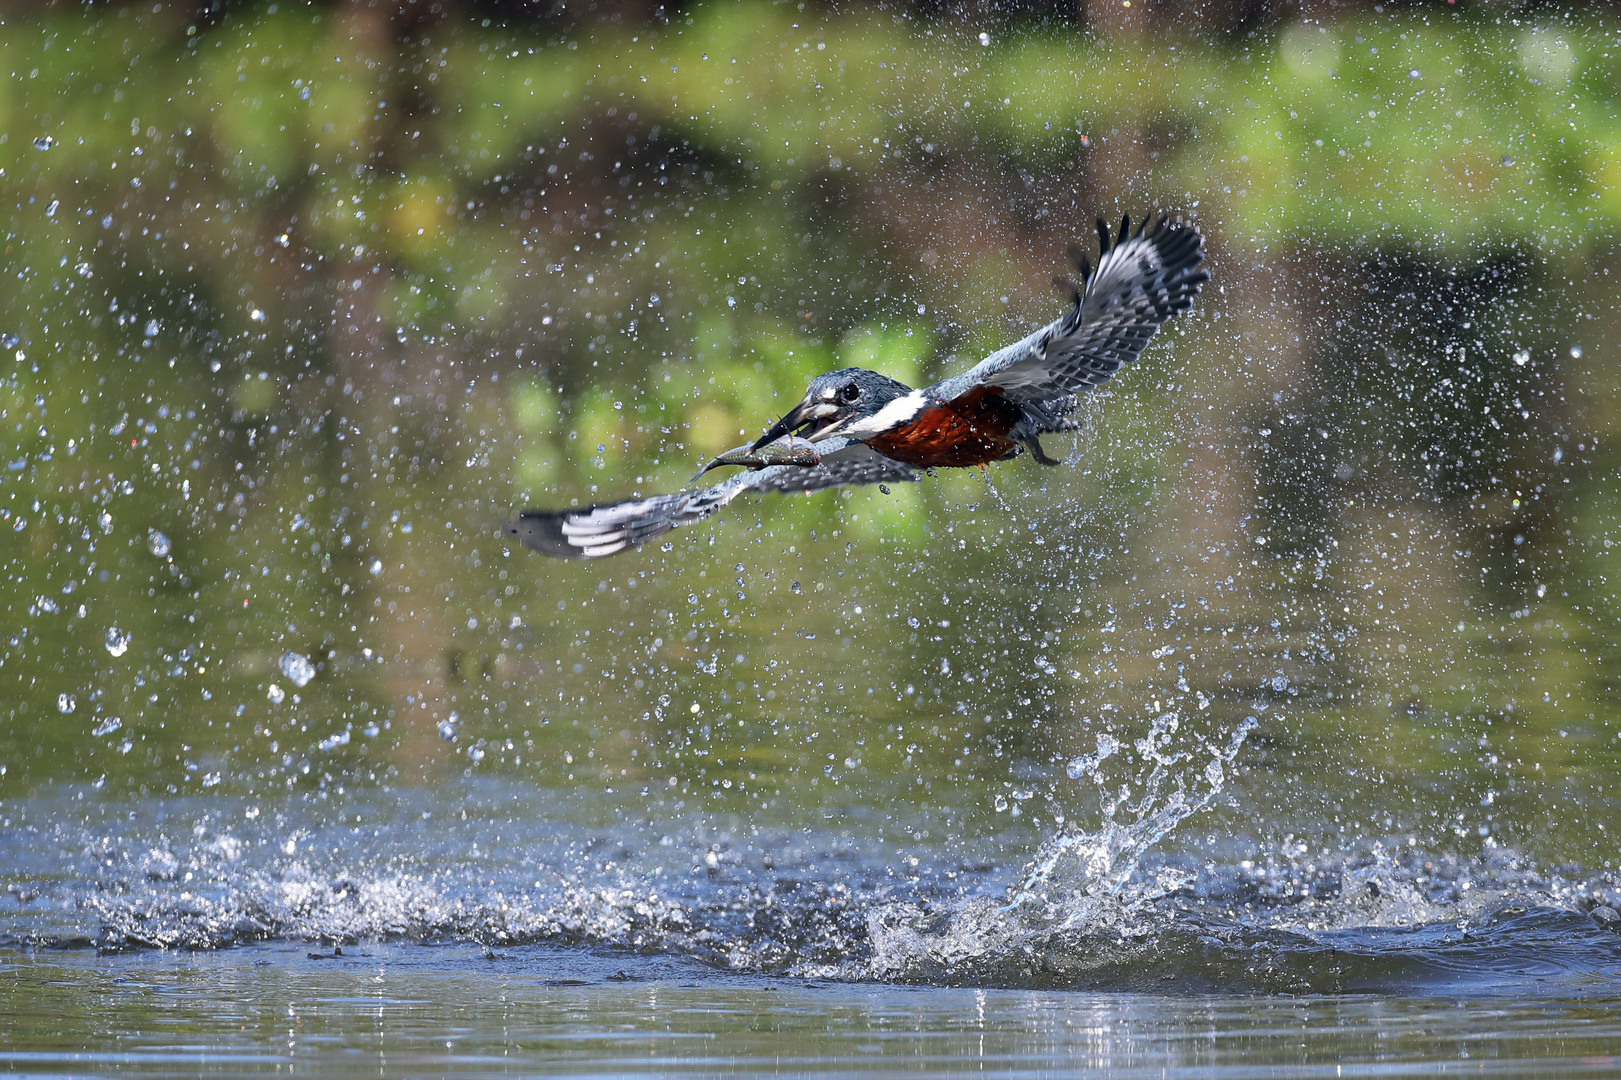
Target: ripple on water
x,y
821,904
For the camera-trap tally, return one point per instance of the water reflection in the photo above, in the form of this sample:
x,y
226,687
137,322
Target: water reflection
x,y
525,1010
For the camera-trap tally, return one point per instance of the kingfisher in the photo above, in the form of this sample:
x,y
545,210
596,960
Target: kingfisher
x,y
855,426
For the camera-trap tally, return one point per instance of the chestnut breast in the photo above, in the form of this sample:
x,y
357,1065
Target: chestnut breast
x,y
968,430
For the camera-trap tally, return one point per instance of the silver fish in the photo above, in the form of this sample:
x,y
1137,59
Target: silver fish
x,y
787,450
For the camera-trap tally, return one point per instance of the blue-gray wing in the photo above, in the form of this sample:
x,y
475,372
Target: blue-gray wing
x,y
594,531
1142,279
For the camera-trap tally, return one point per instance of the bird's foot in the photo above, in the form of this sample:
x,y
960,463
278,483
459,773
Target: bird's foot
x,y
1033,443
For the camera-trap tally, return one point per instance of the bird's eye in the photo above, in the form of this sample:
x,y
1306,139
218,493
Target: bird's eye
x,y
849,392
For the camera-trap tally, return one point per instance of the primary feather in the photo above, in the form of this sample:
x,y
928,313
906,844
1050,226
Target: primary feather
x,y
1141,280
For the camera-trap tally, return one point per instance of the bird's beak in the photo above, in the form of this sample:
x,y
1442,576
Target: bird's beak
x,y
805,412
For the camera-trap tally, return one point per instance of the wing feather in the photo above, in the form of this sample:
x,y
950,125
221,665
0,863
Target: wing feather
x,y
1142,279
595,531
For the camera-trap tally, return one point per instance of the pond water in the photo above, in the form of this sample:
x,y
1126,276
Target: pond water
x,y
450,1009
483,928
1276,730
483,931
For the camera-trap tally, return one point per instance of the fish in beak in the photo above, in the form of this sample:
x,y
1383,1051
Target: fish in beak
x,y
806,412
785,451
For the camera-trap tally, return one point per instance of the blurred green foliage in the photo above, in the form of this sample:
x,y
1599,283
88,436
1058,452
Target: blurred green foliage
x,y
320,303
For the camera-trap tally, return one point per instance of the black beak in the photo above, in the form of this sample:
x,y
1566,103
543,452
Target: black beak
x,y
798,418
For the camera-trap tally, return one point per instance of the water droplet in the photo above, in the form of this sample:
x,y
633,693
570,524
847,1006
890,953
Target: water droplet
x,y
283,240
43,142
117,641
371,730
276,694
1575,352
447,730
376,567
912,621
152,328
984,38
9,340
105,520
1522,357
476,753
297,667
50,207
1001,803
66,703
256,315
795,587
158,544
107,726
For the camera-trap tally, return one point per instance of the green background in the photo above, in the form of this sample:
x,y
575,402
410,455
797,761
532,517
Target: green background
x,y
301,302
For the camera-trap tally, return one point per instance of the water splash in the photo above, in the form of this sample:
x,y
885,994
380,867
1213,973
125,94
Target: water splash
x,y
1077,866
810,904
297,667
1086,901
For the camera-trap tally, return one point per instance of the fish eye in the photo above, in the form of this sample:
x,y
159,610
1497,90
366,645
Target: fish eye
x,y
849,392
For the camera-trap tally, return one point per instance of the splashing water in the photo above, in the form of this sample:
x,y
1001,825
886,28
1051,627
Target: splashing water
x,y
297,667
1082,894
1077,866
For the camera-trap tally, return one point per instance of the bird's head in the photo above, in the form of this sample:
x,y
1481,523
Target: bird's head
x,y
833,400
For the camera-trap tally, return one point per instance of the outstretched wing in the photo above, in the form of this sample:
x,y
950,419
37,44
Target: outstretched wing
x,y
595,531
1142,279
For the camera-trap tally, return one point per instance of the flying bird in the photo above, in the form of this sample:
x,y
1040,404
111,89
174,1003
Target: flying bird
x,y
856,426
